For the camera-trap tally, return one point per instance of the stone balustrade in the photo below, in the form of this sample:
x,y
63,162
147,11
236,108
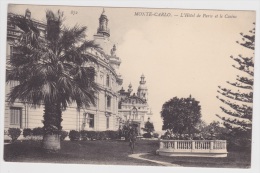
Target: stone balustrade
x,y
199,148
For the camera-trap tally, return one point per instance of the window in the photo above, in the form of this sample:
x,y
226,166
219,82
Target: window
x,y
107,81
16,116
14,83
13,51
91,120
107,122
109,102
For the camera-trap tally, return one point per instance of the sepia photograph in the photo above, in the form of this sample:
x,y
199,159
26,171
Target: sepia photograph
x,y
128,86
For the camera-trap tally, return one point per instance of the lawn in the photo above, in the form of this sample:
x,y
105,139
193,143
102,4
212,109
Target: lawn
x,y
113,153
82,152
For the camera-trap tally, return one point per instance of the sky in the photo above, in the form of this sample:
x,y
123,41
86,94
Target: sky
x,y
179,56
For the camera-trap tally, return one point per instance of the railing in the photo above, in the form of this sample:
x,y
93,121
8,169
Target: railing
x,y
191,146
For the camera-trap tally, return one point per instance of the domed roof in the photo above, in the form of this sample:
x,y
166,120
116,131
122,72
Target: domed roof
x,y
142,87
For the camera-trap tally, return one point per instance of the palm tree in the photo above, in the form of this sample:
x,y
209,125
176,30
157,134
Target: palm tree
x,y
52,71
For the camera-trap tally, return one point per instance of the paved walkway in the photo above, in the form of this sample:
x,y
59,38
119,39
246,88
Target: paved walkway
x,y
137,156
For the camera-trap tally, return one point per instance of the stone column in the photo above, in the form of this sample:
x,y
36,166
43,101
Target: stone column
x,y
175,145
192,145
211,145
161,144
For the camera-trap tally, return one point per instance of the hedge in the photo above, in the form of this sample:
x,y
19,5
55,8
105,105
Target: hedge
x,y
147,135
38,131
74,135
98,135
14,133
27,132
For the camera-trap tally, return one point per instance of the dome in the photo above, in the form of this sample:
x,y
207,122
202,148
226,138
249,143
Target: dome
x,y
142,87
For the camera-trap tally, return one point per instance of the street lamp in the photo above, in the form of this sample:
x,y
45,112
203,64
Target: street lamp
x,y
189,112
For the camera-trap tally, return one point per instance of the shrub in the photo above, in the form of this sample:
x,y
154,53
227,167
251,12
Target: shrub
x,y
147,135
155,135
38,131
102,135
27,132
84,135
112,134
63,135
74,135
14,133
91,134
98,136
238,143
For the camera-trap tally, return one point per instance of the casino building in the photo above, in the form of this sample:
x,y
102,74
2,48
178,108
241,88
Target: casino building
x,y
133,107
114,106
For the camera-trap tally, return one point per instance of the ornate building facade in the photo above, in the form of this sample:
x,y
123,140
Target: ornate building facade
x,y
134,108
112,105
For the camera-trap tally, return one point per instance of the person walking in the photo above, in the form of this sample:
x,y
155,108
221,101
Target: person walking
x,y
132,138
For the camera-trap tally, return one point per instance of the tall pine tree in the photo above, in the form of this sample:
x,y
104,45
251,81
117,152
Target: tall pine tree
x,y
238,101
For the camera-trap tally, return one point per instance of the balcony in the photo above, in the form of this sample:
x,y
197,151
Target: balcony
x,y
193,148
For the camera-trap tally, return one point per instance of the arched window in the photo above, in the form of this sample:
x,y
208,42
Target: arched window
x,y
134,113
107,81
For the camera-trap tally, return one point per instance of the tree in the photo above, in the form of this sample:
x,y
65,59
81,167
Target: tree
x,y
214,128
181,115
51,71
200,125
148,127
238,104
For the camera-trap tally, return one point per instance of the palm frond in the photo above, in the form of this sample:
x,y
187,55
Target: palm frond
x,y
30,32
54,71
78,54
70,37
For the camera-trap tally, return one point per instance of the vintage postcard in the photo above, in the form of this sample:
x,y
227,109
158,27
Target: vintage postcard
x,y
94,85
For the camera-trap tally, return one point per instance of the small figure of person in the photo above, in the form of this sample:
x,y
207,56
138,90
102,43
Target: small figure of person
x,y
132,138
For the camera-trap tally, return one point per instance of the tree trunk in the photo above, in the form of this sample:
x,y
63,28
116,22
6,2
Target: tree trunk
x,y
51,142
52,126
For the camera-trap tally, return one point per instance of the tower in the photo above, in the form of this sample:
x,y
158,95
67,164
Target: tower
x,y
102,37
27,14
103,22
130,88
113,59
142,91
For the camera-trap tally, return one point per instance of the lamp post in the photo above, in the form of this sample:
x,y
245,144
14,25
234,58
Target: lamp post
x,y
189,112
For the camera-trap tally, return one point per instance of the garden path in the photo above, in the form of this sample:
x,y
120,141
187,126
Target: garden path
x,y
137,156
